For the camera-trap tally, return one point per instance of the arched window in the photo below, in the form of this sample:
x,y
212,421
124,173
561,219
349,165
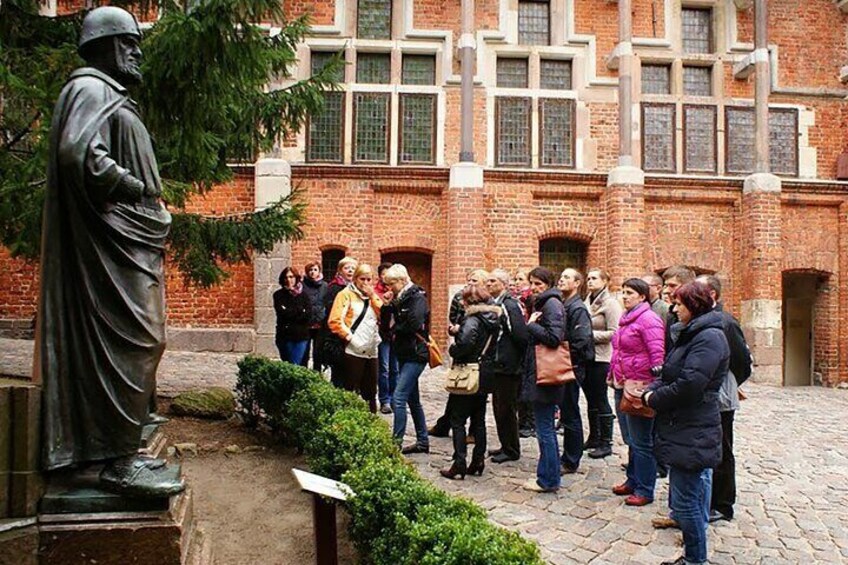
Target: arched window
x,y
330,261
558,253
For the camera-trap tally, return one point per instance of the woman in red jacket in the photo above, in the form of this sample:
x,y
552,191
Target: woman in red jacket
x,y
638,347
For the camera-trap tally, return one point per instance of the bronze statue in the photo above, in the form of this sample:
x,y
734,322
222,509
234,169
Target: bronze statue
x,y
101,326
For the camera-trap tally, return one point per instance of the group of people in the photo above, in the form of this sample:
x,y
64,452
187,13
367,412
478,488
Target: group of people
x,y
670,353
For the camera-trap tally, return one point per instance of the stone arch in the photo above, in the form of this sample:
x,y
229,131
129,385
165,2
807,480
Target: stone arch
x,y
567,229
417,243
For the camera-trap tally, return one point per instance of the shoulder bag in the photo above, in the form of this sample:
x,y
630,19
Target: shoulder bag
x,y
465,378
553,365
435,354
333,347
631,400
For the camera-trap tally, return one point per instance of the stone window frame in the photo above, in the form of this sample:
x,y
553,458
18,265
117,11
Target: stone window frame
x,y
350,87
776,109
535,55
547,3
342,129
674,137
388,100
541,133
531,103
715,130
401,97
699,7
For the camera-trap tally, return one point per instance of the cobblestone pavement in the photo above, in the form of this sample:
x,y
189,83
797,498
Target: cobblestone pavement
x,y
792,475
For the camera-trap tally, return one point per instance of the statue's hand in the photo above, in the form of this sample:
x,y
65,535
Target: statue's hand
x,y
129,189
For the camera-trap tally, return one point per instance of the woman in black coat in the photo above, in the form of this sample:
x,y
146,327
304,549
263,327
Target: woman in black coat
x,y
476,332
292,307
688,423
545,326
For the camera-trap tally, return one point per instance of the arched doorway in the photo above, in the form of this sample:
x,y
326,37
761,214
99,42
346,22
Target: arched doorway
x,y
419,265
558,253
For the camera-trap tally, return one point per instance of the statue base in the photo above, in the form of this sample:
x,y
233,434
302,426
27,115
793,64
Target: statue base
x,y
153,537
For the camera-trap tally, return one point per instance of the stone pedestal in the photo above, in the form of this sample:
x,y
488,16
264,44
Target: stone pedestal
x,y
157,537
20,428
623,203
273,182
762,294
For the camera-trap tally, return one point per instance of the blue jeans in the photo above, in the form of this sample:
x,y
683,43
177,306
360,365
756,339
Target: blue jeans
x,y
292,351
572,426
638,434
689,499
547,470
406,392
387,377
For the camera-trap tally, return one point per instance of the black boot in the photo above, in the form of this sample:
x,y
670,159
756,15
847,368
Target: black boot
x,y
477,466
593,440
457,469
604,448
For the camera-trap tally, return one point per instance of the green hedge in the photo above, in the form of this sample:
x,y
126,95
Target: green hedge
x,y
396,516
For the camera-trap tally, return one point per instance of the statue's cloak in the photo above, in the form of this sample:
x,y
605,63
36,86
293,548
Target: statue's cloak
x,y
101,321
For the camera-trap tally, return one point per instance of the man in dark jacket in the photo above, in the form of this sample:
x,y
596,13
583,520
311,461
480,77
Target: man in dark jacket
x,y
578,334
724,475
388,366
504,363
411,330
673,278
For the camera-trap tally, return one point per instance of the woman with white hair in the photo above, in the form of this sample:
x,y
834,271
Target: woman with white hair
x,y
411,332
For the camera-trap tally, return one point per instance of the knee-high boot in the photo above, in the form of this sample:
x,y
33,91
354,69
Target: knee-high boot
x,y
593,441
604,448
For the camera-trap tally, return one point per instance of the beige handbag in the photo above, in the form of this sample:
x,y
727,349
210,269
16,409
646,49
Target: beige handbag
x,y
465,379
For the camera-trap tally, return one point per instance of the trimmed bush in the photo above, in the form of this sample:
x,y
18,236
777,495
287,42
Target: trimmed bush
x,y
397,518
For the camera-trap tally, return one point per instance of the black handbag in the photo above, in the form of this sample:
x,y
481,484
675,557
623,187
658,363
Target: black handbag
x,y
333,347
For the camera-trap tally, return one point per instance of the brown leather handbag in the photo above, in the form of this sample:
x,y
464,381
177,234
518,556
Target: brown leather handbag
x,y
631,400
553,365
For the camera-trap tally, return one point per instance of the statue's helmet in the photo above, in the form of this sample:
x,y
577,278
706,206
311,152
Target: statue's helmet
x,y
108,21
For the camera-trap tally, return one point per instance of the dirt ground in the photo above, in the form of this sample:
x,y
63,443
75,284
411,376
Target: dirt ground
x,y
249,502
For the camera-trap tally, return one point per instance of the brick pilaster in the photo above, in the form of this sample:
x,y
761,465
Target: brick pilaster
x,y
623,203
762,263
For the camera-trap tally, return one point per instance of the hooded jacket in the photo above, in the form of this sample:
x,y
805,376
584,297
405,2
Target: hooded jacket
x,y
547,331
638,345
688,424
506,355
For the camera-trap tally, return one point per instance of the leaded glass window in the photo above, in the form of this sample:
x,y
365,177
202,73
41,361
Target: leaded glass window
x,y
783,140
656,79
555,74
513,131
512,73
319,59
559,253
697,30
417,128
557,134
534,22
373,68
374,19
419,69
739,131
326,131
371,127
658,137
698,81
699,127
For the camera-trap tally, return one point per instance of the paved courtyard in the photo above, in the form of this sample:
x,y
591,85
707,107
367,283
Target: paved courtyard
x,y
792,474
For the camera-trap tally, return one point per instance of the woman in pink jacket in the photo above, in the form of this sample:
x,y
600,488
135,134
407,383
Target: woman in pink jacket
x,y
638,347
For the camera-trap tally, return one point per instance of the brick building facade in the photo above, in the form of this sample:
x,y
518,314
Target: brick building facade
x,y
379,169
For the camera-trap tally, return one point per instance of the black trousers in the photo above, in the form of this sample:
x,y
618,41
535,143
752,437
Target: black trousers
x,y
360,376
463,407
443,424
595,388
313,347
724,476
505,406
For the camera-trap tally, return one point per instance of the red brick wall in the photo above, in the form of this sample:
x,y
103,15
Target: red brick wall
x,y
18,287
599,18
321,13
603,127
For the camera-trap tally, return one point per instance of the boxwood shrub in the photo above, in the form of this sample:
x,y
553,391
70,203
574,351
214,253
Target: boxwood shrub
x,y
396,516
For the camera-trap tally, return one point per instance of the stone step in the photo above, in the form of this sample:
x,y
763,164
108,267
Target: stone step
x,y
200,549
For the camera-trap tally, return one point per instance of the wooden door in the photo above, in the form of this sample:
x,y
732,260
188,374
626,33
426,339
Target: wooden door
x,y
419,266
